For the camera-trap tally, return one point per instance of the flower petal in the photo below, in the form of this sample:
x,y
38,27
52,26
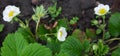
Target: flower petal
x,y
62,34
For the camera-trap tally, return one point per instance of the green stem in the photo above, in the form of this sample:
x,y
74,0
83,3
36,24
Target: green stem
x,y
113,39
21,22
103,28
28,30
48,34
36,30
115,47
27,24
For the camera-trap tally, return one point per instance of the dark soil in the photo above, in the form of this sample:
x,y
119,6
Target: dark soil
x,y
70,8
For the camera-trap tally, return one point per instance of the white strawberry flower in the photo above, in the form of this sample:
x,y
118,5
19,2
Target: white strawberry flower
x,y
62,34
101,9
10,12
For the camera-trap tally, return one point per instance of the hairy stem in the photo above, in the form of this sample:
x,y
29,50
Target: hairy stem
x,y
21,22
36,30
103,28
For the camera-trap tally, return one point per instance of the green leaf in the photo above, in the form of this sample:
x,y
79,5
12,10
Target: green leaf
x,y
77,33
13,45
1,27
114,24
42,30
54,45
16,45
90,33
94,22
98,31
116,52
72,46
36,50
26,32
100,49
0,51
54,11
62,54
39,13
86,45
102,26
74,20
63,23
107,35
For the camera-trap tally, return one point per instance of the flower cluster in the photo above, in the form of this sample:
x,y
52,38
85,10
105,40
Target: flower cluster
x,y
11,11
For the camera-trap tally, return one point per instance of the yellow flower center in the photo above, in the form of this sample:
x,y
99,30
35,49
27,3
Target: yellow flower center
x,y
61,33
102,11
11,13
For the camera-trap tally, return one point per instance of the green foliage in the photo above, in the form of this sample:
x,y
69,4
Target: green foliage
x,y
16,45
107,35
74,47
63,23
90,33
54,11
45,33
62,54
98,31
13,45
1,27
116,52
54,45
39,12
86,46
0,51
100,49
94,22
102,26
24,43
36,50
99,26
78,34
114,24
74,20
42,30
26,32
